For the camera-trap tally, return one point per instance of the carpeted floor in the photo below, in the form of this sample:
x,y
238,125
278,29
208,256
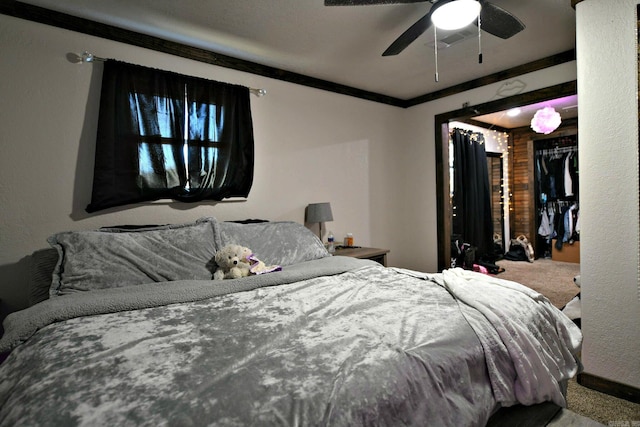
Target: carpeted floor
x,y
601,407
554,280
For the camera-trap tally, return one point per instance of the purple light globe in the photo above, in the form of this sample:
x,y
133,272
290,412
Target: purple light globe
x,y
546,120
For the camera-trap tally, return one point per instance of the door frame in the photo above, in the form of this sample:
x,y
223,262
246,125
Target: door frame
x,y
442,151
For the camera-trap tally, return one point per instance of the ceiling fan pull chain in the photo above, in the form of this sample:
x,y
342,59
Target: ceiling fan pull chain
x,y
435,49
479,41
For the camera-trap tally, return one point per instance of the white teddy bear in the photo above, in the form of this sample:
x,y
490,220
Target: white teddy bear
x,y
232,262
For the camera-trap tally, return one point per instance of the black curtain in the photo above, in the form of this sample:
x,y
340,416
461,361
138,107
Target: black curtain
x,y
147,115
220,141
471,199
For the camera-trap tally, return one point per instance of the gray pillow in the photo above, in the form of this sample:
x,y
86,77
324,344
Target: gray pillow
x,y
115,257
43,262
275,243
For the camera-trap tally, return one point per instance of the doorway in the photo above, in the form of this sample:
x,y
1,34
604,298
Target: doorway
x,y
466,114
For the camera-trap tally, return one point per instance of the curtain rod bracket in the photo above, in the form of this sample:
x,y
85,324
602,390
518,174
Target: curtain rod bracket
x,y
258,92
87,57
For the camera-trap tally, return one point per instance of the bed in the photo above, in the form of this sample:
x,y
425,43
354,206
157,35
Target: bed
x,y
127,328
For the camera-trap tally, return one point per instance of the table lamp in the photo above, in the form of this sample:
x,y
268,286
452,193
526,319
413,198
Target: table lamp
x,y
319,212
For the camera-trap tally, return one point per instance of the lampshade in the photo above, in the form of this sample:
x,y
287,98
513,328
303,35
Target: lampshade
x,y
455,14
319,212
546,120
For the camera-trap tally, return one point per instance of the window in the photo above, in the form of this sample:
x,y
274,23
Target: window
x,y
163,135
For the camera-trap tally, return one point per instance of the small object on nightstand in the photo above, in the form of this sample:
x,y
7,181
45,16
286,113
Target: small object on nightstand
x,y
348,240
331,247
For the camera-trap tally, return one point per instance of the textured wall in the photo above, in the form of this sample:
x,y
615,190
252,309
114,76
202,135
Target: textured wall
x,y
607,59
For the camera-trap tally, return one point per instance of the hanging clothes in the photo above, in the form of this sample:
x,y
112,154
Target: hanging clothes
x,y
572,217
573,172
556,181
545,224
547,228
556,171
568,225
568,180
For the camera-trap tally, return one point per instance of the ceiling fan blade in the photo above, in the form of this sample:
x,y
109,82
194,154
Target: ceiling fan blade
x,y
367,2
412,33
497,21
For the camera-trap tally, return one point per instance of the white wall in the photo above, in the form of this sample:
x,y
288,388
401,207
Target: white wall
x,y
608,148
311,146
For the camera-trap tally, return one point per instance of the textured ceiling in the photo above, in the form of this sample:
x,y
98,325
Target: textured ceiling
x,y
340,44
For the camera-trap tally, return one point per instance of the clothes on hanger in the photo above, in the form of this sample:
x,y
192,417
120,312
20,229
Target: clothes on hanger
x,y
557,193
568,181
559,220
557,172
568,226
547,228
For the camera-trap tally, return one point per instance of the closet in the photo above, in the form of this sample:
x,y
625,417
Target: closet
x,y
557,201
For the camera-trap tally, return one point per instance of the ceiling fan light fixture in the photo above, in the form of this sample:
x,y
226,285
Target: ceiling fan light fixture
x,y
455,14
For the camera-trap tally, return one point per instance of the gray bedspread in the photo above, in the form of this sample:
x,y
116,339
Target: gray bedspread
x,y
335,341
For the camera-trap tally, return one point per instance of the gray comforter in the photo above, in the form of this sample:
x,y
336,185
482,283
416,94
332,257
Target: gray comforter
x,y
335,341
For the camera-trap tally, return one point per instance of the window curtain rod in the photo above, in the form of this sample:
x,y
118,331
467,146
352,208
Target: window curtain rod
x,y
88,57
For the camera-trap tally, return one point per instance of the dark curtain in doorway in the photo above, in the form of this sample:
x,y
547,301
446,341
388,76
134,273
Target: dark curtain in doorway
x,y
471,199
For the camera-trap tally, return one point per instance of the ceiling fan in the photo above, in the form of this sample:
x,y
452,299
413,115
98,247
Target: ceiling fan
x,y
493,19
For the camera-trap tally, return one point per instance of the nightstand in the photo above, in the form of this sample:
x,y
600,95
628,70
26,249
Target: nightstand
x,y
374,254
